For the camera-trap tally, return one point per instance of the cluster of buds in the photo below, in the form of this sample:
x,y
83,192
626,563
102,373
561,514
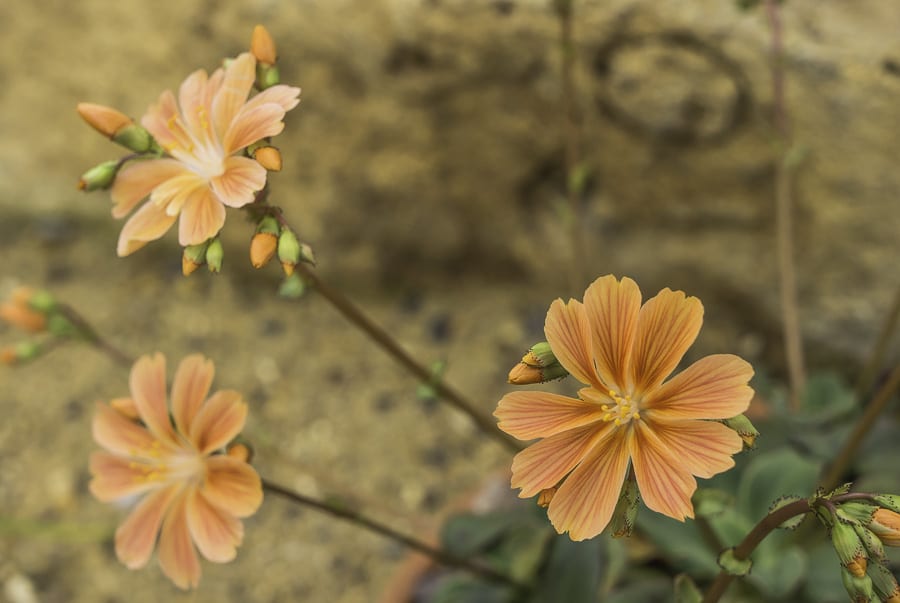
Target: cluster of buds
x,y
35,312
538,365
861,526
122,130
208,252
271,238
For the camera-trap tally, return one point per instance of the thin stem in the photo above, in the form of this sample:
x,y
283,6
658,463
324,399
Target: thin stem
x,y
867,376
390,345
439,555
93,337
571,135
752,540
842,460
783,215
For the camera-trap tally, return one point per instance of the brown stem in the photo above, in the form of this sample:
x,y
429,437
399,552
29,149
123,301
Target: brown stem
x,y
439,555
784,216
752,540
838,467
90,335
867,376
390,345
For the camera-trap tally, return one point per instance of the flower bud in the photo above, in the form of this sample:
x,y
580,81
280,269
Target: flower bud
x,y
288,250
884,583
546,496
215,253
888,501
886,525
264,242
105,120
193,257
626,509
538,365
19,311
269,157
60,326
744,428
849,548
20,353
99,176
262,46
858,587
292,287
874,547
857,512
240,451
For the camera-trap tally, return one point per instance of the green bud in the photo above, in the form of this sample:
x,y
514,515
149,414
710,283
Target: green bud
x,y
268,225
858,587
42,301
857,512
626,509
849,547
215,253
888,501
28,350
538,365
307,255
883,582
292,287
874,547
744,428
266,76
99,176
288,250
134,137
59,325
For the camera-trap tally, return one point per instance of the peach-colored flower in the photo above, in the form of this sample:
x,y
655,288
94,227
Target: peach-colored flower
x,y
202,134
192,493
628,415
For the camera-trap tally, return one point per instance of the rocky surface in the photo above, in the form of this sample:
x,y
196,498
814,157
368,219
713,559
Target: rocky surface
x,y
425,167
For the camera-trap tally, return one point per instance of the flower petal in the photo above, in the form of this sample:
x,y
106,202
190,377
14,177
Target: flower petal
x,y
232,486
147,224
585,502
120,435
138,179
528,415
160,120
202,217
612,309
115,477
172,194
714,387
239,77
542,465
569,334
702,447
239,183
148,390
189,389
287,97
216,534
664,481
177,556
192,100
136,537
218,421
667,326
253,124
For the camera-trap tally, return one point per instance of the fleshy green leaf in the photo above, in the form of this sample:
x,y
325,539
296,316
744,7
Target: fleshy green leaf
x,y
778,573
572,572
685,590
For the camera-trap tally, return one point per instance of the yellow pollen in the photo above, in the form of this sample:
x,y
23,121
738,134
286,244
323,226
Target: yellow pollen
x,y
201,113
622,411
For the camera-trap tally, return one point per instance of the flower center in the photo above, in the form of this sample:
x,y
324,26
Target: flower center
x,y
622,409
185,465
196,149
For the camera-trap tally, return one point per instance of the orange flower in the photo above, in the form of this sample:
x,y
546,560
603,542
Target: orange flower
x,y
627,416
192,493
202,133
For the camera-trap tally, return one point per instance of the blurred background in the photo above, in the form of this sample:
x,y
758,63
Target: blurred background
x,y
425,165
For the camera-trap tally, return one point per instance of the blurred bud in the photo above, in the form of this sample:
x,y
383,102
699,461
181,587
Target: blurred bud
x,y
307,255
193,257
60,326
126,407
20,353
858,587
8,356
116,126
264,243
884,583
288,250
99,176
262,46
626,509
240,451
215,253
267,76
849,548
19,311
292,287
888,501
886,525
744,428
538,365
546,496
269,157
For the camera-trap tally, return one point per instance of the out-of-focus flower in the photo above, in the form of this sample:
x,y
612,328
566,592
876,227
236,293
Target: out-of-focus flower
x,y
193,494
202,133
628,415
18,311
886,525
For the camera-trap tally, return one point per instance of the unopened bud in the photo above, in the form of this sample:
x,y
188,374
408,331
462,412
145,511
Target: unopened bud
x,y
858,587
884,583
193,257
215,253
857,512
292,287
269,157
105,120
21,352
849,548
262,46
546,496
8,356
126,407
19,311
307,255
99,176
60,326
262,248
538,365
888,501
886,525
625,513
744,428
240,451
288,250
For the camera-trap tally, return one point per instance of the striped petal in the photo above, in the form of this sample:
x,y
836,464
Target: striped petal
x,y
238,80
666,486
252,124
239,183
189,389
667,326
138,179
218,421
612,310
585,502
116,477
714,387
569,334
232,486
120,435
704,448
148,390
528,415
177,556
202,217
216,534
136,536
147,224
